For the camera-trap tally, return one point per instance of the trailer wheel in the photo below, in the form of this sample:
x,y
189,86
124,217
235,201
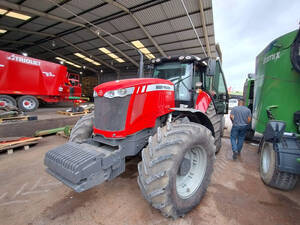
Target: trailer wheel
x,y
6,100
83,129
28,103
176,167
269,171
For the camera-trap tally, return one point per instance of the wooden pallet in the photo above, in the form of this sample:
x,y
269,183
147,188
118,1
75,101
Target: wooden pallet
x,y
25,142
72,113
13,118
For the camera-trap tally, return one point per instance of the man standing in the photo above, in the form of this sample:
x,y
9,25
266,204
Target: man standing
x,y
241,118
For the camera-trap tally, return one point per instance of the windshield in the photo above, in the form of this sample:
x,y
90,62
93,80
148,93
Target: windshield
x,y
178,73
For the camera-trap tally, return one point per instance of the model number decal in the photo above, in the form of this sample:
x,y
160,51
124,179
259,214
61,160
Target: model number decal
x,y
23,60
269,58
49,74
160,87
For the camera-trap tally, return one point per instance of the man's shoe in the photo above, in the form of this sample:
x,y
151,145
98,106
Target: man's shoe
x,y
234,156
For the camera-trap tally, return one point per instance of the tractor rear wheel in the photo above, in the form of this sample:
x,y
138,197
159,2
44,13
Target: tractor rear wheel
x,y
6,100
83,129
176,167
28,103
216,121
269,171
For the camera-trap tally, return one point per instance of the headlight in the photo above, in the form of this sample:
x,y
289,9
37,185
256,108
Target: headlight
x,y
119,93
95,94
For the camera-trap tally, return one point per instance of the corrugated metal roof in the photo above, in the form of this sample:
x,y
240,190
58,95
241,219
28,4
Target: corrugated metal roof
x,y
164,20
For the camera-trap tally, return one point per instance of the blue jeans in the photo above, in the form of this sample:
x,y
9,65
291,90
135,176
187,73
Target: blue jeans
x,y
237,137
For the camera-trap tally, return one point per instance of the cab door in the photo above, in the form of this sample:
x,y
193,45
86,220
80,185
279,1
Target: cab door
x,y
218,89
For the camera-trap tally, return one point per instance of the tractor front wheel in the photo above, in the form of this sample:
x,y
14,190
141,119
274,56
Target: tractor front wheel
x,y
176,167
269,171
83,129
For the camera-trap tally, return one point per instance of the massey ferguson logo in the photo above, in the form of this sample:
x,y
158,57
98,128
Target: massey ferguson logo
x,y
49,74
23,60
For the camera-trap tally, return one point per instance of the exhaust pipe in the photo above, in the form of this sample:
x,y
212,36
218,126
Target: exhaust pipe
x,y
141,68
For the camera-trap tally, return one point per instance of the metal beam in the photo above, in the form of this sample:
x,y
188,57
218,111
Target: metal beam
x,y
203,22
49,50
85,52
21,8
120,6
26,31
62,39
25,9
62,56
16,42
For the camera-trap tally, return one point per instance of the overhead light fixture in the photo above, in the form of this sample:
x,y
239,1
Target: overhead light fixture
x,y
24,54
120,60
87,59
112,55
150,56
15,15
18,15
3,11
139,45
68,62
2,31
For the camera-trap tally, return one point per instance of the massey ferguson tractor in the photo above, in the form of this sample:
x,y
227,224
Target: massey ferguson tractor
x,y
173,119
273,95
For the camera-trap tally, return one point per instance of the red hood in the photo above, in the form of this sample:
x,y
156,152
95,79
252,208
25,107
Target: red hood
x,y
118,84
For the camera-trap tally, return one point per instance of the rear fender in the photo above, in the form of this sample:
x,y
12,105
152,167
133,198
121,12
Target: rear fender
x,y
195,116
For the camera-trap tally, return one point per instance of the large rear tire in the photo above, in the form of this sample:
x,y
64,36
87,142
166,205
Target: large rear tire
x,y
83,129
6,100
269,171
176,167
216,121
28,103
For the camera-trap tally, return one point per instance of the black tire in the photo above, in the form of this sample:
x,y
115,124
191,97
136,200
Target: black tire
x,y
161,162
83,129
216,121
269,171
8,100
28,103
222,125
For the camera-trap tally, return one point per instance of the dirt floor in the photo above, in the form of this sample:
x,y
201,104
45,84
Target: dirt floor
x,y
236,195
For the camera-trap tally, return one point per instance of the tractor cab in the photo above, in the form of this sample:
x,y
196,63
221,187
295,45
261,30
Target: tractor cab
x,y
189,74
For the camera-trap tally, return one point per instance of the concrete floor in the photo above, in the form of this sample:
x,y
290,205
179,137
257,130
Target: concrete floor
x,y
236,195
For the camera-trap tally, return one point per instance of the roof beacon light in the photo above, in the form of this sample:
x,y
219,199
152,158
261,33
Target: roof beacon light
x,y
188,57
181,57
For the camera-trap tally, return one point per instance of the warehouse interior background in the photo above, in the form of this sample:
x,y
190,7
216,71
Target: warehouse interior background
x,y
99,39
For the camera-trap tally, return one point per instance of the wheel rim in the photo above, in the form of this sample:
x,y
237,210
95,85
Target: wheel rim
x,y
6,102
266,158
188,184
28,103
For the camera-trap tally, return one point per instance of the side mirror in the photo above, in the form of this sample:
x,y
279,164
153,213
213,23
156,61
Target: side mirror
x,y
211,67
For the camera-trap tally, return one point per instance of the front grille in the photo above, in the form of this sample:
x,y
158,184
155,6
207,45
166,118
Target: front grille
x,y
110,113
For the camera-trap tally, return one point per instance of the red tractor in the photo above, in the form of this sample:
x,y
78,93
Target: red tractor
x,y
175,119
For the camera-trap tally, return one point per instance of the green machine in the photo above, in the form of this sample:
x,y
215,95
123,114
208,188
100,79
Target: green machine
x,y
273,96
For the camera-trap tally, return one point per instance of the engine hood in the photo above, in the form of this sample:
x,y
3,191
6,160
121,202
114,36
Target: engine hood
x,y
119,84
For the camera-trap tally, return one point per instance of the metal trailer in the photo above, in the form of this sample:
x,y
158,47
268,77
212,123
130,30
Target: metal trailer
x,y
25,80
273,96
